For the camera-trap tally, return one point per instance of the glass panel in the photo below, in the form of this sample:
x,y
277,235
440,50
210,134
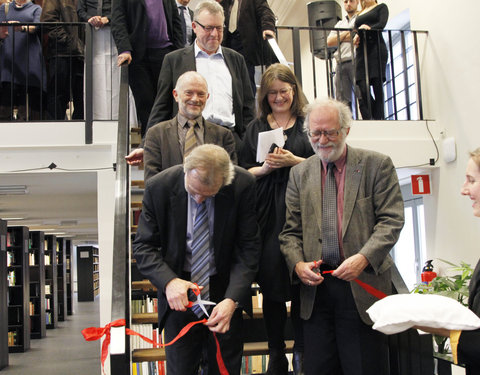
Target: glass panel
x,y
405,251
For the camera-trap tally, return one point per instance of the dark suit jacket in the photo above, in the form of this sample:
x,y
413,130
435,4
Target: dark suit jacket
x,y
469,342
373,217
254,16
130,26
178,62
160,244
162,148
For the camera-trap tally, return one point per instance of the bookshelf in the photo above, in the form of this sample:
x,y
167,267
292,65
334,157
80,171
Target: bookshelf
x,y
87,273
68,276
3,296
51,302
61,280
18,297
36,261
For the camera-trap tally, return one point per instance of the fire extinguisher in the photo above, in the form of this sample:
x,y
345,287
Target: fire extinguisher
x,y
427,272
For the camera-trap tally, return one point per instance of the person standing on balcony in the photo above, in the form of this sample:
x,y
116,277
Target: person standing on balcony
x,y
167,143
22,68
344,214
64,58
198,225
144,32
344,55
369,25
248,24
186,15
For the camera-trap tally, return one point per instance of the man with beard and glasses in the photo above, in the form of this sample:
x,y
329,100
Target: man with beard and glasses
x,y
344,214
168,143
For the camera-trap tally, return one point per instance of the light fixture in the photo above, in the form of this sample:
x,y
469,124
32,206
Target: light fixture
x,y
13,189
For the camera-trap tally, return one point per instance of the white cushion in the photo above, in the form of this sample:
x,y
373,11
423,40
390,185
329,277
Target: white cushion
x,y
399,312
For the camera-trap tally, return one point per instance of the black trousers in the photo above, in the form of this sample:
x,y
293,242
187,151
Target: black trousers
x,y
376,104
337,341
65,83
197,348
143,80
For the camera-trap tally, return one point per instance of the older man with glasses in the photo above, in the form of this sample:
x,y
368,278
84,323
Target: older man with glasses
x,y
231,102
344,214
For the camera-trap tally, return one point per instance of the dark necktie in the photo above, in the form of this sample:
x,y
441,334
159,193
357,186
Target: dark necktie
x,y
184,26
330,247
201,254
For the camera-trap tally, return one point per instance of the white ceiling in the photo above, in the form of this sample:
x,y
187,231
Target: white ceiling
x,y
56,202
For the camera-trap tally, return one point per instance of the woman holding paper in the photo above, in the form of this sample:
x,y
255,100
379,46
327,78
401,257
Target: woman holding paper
x,y
280,106
466,344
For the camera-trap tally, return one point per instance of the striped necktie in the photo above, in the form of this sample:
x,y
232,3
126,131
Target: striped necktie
x,y
190,139
330,246
201,254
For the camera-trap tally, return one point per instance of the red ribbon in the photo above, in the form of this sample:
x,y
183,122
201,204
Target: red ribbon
x,y
95,333
367,287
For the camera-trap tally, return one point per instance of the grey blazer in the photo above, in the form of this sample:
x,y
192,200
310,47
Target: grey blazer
x,y
373,217
183,60
162,148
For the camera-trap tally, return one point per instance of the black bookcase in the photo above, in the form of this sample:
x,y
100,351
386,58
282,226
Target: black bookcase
x,y
61,280
88,281
68,276
36,261
3,296
18,298
51,301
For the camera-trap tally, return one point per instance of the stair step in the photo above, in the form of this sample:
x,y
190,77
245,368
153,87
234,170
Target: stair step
x,y
249,349
152,318
138,183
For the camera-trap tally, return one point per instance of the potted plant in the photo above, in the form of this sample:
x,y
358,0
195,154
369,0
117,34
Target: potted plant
x,y
454,286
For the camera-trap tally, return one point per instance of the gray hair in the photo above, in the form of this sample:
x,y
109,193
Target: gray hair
x,y
212,159
209,6
187,77
475,155
343,111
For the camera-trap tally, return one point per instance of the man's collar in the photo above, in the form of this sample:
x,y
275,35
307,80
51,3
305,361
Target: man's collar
x,y
182,120
198,50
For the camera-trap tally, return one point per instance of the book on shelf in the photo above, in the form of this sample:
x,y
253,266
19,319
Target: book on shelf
x,y
11,278
48,289
12,338
144,305
10,258
47,260
31,259
31,308
47,304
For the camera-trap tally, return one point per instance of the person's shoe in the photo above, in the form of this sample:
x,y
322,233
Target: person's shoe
x,y
298,363
277,363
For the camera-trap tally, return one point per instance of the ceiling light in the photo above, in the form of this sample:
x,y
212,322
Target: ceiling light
x,y
13,189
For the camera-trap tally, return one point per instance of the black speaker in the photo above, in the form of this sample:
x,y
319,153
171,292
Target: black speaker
x,y
324,13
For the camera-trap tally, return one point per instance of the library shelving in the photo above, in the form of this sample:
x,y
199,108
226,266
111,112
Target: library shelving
x,y
3,296
51,301
68,276
18,297
61,280
36,262
88,281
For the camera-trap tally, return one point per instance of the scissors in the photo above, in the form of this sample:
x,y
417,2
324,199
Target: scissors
x,y
195,298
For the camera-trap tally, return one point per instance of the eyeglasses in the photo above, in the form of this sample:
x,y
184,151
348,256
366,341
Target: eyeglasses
x,y
282,92
209,29
330,134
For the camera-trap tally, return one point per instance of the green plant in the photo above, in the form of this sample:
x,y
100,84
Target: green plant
x,y
454,286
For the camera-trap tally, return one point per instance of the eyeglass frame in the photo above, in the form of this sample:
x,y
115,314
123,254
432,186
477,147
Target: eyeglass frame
x,y
209,29
274,93
334,133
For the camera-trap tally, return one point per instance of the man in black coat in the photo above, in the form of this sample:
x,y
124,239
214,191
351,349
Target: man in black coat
x,y
144,32
164,251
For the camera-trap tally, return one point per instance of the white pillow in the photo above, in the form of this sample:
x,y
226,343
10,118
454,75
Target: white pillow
x,y
399,312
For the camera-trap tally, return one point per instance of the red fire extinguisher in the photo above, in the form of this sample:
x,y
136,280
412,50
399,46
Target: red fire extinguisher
x,y
427,272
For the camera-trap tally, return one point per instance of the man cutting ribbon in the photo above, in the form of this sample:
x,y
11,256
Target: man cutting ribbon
x,y
344,215
198,226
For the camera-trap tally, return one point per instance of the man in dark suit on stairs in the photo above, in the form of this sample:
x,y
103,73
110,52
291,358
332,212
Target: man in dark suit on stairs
x,y
165,143
208,195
